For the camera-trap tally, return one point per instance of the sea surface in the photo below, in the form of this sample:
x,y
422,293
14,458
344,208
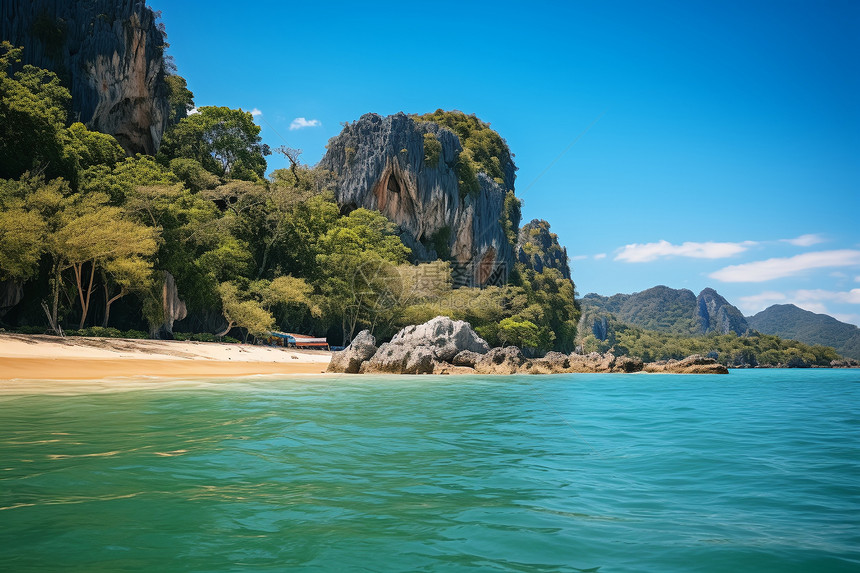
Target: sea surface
x,y
755,471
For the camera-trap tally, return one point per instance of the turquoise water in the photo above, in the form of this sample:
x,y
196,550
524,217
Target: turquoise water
x,y
754,471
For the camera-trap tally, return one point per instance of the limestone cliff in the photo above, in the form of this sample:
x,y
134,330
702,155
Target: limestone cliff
x,y
108,53
539,249
715,314
408,170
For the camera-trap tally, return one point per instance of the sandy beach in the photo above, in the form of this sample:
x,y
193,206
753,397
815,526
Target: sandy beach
x,y
33,357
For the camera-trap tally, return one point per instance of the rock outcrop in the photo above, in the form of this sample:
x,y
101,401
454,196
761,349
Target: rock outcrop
x,y
539,249
108,53
382,163
507,360
445,346
715,314
173,308
350,359
447,338
400,359
695,364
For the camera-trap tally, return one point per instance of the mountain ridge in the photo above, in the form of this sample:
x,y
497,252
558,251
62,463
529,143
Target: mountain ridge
x,y
790,321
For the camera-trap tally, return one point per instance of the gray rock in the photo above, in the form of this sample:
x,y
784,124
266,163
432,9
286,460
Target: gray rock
x,y
350,359
400,359
466,358
109,53
552,363
444,336
380,165
715,314
507,360
174,308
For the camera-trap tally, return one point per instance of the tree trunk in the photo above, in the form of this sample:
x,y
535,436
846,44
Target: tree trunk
x,y
85,300
230,326
110,300
53,311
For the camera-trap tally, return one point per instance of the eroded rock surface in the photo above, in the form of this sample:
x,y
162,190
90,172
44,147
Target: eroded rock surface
x,y
108,53
507,360
695,364
444,336
400,359
380,164
350,359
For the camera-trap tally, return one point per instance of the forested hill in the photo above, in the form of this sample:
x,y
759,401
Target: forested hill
x,y
668,310
789,321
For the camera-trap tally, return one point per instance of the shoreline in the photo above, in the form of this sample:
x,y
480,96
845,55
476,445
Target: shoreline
x,y
27,358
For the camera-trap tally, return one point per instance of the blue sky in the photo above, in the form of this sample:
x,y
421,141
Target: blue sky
x,y
690,144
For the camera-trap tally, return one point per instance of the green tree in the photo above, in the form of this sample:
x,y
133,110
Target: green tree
x,y
33,111
180,97
94,237
226,142
524,333
357,259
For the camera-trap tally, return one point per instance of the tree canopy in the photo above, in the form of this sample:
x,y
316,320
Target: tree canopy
x,y
226,142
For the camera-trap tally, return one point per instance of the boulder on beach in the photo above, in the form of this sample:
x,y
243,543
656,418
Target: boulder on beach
x,y
349,359
507,360
444,336
400,359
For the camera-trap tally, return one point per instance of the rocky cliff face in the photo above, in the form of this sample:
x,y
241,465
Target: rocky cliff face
x,y
539,249
715,314
109,53
382,164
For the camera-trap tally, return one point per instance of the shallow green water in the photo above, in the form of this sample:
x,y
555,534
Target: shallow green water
x,y
755,471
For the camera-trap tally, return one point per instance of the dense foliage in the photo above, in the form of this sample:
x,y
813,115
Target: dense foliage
x,y
484,150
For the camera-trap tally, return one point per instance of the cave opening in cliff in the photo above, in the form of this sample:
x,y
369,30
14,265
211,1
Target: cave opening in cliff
x,y
393,184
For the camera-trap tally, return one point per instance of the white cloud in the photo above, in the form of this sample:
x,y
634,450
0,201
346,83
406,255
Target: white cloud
x,y
301,123
849,297
583,257
754,303
777,268
648,252
255,112
857,279
599,256
192,111
805,240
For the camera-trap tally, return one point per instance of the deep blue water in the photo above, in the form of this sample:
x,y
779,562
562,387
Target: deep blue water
x,y
755,471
